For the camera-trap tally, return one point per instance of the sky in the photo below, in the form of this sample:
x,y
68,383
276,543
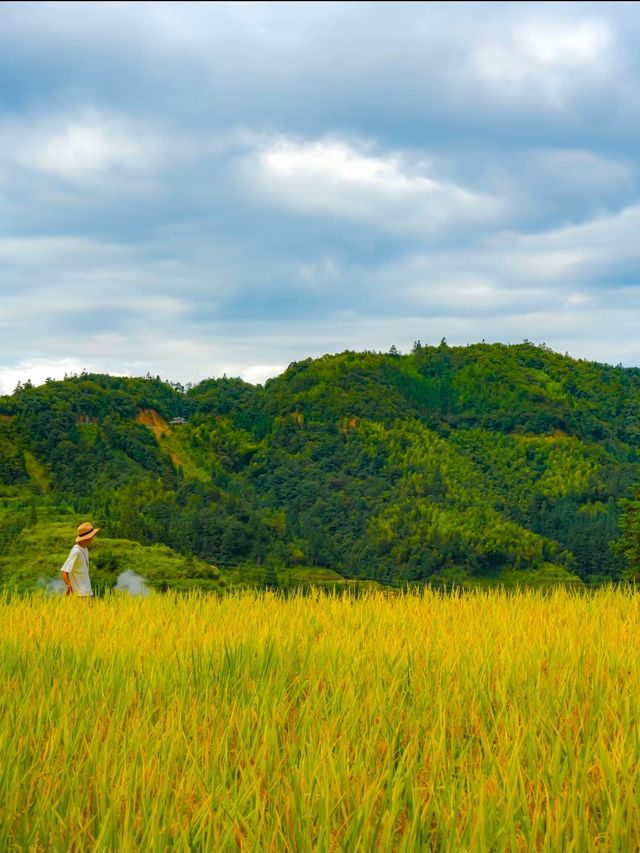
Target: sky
x,y
192,190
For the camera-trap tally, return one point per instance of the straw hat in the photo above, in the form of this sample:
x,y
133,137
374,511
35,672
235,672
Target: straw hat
x,y
86,531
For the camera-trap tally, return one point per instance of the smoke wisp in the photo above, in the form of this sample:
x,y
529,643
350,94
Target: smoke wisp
x,y
51,586
132,583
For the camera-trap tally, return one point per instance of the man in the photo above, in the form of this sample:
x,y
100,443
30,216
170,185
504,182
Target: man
x,y
75,572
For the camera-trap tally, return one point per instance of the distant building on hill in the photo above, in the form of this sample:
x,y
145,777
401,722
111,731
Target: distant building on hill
x,y
177,421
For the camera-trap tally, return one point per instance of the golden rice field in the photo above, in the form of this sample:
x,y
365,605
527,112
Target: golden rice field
x,y
253,722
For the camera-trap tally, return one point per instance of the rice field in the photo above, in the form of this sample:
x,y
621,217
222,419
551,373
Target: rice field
x,y
488,721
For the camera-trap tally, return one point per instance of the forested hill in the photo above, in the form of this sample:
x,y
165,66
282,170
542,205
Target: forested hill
x,y
450,462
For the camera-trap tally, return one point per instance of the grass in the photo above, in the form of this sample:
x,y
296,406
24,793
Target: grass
x,y
486,721
37,472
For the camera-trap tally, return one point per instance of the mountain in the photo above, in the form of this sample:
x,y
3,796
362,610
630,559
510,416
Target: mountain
x,y
482,463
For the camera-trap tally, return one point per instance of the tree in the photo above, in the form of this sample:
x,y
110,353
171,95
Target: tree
x,y
629,543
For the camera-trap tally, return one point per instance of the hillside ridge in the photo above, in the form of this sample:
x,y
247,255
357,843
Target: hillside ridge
x,y
460,463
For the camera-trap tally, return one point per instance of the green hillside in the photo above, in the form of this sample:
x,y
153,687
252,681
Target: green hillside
x,y
39,551
470,464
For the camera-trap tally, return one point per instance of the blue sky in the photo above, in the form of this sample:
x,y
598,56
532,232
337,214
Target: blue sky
x,y
199,189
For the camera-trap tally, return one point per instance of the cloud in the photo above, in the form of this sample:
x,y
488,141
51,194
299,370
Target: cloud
x,y
337,178
567,44
543,57
259,373
602,243
37,371
81,148
194,189
134,309
86,147
582,174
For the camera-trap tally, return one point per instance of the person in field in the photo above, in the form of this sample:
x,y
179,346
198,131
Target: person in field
x,y
75,571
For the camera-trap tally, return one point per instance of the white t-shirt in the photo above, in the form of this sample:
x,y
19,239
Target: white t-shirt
x,y
77,567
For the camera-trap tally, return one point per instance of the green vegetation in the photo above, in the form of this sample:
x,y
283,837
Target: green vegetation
x,y
466,465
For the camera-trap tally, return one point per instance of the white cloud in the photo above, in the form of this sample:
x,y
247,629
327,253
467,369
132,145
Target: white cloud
x,y
47,251
542,58
37,370
558,285
578,299
602,241
84,147
464,292
569,44
257,374
337,178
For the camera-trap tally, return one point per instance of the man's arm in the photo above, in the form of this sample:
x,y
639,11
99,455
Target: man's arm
x,y
68,567
67,583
